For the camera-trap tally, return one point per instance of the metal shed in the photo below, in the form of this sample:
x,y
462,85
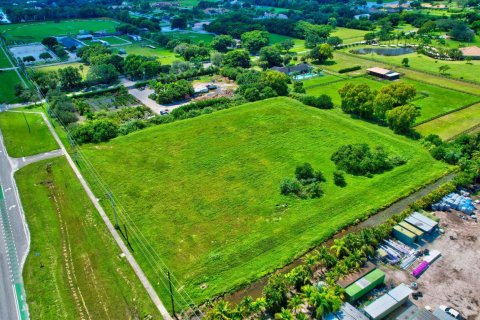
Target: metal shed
x,y
363,285
419,233
387,303
421,222
415,313
403,235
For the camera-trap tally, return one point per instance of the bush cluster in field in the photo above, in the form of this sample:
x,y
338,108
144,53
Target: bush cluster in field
x,y
306,185
359,160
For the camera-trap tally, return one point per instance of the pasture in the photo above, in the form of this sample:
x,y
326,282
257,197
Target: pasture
x,y
35,32
25,134
431,100
4,62
452,124
56,67
349,35
210,205
74,268
8,80
195,37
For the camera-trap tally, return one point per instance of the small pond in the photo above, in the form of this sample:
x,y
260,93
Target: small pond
x,y
384,51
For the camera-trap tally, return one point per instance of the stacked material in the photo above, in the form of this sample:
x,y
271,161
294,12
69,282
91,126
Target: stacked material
x,y
456,202
420,269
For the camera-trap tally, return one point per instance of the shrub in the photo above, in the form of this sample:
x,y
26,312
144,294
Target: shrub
x,y
350,69
339,179
322,102
358,159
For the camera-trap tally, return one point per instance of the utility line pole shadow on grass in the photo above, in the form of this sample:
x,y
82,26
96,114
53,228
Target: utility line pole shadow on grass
x,y
111,228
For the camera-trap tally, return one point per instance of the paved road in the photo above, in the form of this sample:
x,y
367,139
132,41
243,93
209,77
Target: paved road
x,y
14,243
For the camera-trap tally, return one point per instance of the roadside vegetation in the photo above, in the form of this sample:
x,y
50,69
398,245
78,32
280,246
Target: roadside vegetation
x,y
75,269
25,134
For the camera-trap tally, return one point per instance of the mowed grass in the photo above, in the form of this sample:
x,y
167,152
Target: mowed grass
x,y
196,37
431,100
57,67
8,80
34,32
4,62
19,140
208,202
349,35
452,124
298,44
73,270
165,56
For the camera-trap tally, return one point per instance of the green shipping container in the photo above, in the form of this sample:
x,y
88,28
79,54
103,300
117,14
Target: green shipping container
x,y
365,284
403,235
412,229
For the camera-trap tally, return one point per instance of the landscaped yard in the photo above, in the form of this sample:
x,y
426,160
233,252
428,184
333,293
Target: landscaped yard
x,y
25,134
35,32
74,270
349,35
209,203
431,100
452,124
8,80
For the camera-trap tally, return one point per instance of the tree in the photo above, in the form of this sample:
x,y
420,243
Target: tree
x,y
178,22
276,80
461,32
237,58
400,119
334,41
45,56
275,293
298,87
60,52
287,45
393,95
50,42
321,53
222,43
172,92
405,62
443,69
270,57
216,58
357,99
254,40
285,314
69,77
220,310
103,73
28,59
339,248
339,179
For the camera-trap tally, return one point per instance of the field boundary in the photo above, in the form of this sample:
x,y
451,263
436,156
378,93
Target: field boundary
x,y
446,113
464,132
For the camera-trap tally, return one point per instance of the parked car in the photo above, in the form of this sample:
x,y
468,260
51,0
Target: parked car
x,y
163,113
452,312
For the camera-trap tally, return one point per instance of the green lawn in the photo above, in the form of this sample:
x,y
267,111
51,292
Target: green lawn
x,y
431,100
34,32
4,62
73,270
344,60
208,203
196,37
61,66
349,35
19,140
8,81
165,56
452,124
298,44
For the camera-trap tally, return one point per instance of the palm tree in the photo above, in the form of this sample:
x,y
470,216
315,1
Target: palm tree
x,y
339,248
295,302
285,314
220,310
245,307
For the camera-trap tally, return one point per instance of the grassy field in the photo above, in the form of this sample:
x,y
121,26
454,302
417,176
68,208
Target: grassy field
x,y
4,62
349,35
455,44
73,270
194,36
208,202
19,140
140,47
8,81
431,100
343,60
452,124
34,32
61,66
458,69
298,46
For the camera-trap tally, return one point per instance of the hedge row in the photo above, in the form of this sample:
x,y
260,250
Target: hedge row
x,y
345,70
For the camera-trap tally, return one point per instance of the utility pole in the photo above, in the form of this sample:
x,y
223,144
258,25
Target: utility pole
x,y
171,294
109,194
24,117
